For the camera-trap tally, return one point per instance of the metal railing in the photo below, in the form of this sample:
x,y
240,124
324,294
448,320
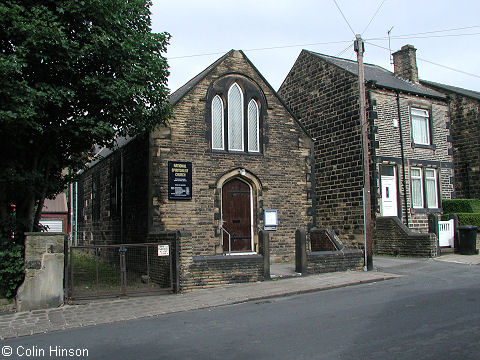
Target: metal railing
x,y
112,270
229,238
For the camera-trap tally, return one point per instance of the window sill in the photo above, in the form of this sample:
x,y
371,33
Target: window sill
x,y
426,210
237,152
421,146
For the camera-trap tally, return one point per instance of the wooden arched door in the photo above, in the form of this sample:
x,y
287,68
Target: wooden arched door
x,y
237,215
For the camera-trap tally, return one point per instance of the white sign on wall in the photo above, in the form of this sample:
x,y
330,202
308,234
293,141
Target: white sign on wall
x,y
163,250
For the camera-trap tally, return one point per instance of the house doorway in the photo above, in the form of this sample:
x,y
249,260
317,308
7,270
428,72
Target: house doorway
x,y
237,216
389,191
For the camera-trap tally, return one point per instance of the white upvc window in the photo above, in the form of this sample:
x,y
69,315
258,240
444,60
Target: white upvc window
x,y
420,126
253,129
235,118
417,187
431,190
217,123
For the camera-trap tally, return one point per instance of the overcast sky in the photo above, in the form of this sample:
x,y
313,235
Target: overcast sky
x,y
217,26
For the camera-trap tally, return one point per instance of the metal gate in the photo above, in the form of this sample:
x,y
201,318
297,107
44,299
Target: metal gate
x,y
113,270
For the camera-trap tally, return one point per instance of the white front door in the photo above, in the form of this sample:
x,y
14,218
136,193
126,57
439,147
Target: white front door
x,y
389,192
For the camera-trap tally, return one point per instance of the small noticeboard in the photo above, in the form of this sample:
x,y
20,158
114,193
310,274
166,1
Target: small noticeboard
x,y
179,180
163,250
270,219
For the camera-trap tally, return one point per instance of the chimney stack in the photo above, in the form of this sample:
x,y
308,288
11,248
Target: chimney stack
x,y
405,63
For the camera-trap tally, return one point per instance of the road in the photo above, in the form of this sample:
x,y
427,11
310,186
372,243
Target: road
x,y
433,312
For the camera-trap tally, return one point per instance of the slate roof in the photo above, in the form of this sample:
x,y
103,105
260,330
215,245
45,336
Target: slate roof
x,y
469,93
380,76
120,142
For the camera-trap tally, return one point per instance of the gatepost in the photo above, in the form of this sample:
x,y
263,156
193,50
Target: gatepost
x,y
301,251
264,249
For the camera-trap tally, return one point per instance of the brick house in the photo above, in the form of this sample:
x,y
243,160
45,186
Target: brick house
x,y
231,154
465,130
410,145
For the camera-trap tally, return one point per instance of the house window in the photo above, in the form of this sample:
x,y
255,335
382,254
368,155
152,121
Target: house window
x,y
235,118
217,123
424,188
417,188
431,188
253,126
420,126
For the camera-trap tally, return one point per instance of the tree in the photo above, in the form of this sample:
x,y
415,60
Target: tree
x,y
74,73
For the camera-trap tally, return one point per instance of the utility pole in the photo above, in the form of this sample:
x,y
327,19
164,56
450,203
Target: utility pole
x,y
367,206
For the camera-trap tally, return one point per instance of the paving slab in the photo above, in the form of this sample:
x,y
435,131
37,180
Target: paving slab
x,y
460,259
104,311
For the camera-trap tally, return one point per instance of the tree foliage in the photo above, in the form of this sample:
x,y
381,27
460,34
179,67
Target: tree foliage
x,y
74,73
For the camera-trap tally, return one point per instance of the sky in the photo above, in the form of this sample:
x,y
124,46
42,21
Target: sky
x,y
272,33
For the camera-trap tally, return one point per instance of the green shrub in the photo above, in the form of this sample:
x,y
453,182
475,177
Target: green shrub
x,y
469,219
461,206
11,261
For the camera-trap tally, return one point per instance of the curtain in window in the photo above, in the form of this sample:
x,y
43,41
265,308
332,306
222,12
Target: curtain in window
x,y
252,126
416,180
235,118
420,127
217,123
431,188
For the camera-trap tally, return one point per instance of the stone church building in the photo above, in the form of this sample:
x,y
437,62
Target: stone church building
x,y
232,160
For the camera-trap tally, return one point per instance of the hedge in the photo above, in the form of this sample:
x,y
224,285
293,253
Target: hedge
x,y
469,219
461,206
468,211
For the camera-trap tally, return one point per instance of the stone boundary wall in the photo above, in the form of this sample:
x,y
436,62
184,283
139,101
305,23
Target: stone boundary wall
x,y
204,271
392,237
331,261
317,262
44,269
217,270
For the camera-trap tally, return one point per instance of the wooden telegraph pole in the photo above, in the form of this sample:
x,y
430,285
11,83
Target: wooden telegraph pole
x,y
367,206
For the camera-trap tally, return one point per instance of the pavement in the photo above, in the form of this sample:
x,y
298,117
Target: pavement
x,y
285,282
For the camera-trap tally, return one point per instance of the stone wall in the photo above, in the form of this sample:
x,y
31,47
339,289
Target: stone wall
x,y
325,99
216,270
465,115
331,261
100,197
391,237
44,269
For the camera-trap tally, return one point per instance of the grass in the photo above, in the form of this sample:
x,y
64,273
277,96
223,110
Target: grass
x,y
85,265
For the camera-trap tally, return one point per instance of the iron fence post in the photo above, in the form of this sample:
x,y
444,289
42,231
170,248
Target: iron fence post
x,y
123,270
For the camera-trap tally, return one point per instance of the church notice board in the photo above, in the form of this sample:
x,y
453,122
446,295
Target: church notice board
x,y
179,180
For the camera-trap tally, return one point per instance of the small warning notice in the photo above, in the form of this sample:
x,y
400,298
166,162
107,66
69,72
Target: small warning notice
x,y
163,250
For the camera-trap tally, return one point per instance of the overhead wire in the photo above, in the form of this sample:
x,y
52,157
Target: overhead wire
x,y
344,50
406,37
398,37
262,49
373,17
428,32
344,18
430,62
